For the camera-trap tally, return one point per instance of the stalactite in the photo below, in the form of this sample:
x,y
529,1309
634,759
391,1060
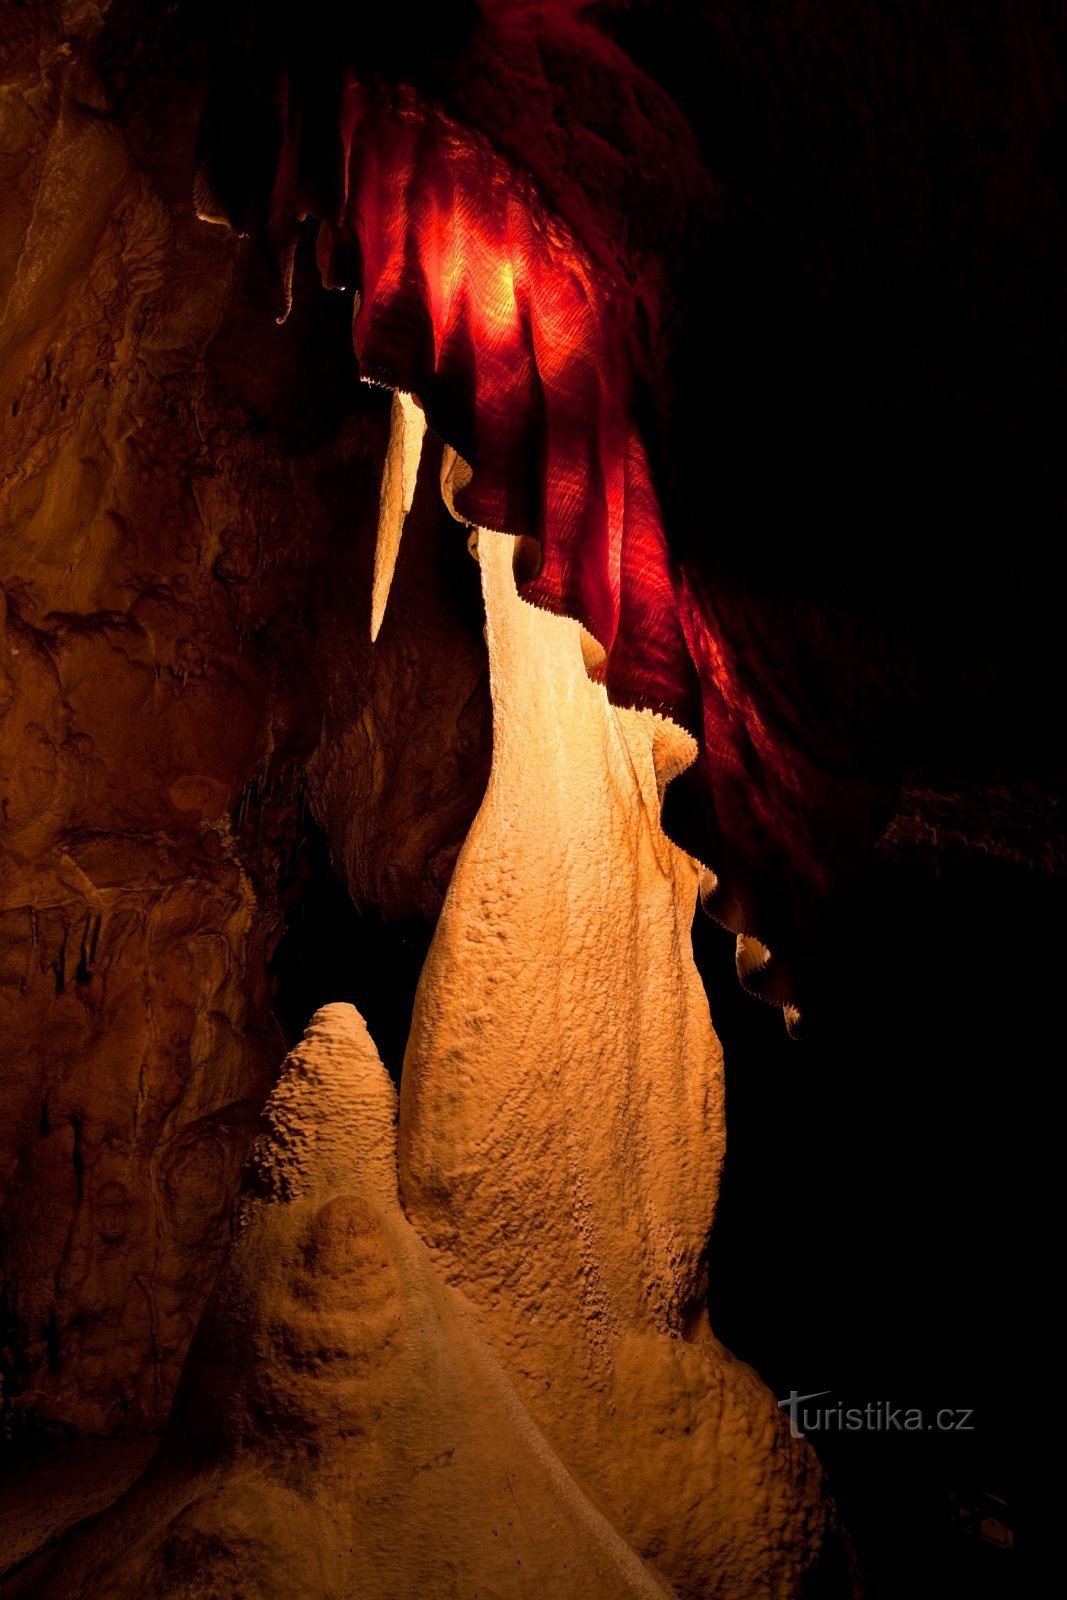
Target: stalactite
x,y
407,429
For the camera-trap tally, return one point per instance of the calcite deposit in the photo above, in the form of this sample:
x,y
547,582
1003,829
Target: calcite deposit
x,y
497,1376
343,1426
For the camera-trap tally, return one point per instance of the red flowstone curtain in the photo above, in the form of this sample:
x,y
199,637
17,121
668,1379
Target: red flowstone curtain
x,y
526,343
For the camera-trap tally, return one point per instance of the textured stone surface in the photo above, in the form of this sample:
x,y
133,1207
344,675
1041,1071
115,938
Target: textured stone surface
x,y
133,1074
45,1496
507,1384
342,1427
562,1128
181,480
133,1003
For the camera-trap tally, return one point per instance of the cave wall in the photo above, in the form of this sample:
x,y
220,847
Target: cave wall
x,y
182,487
133,715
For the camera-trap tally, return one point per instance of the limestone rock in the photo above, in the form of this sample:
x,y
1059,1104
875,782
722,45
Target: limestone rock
x,y
342,1427
165,662
562,1128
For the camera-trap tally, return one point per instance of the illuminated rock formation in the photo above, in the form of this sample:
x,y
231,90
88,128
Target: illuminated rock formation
x,y
562,1122
343,1427
509,1385
866,335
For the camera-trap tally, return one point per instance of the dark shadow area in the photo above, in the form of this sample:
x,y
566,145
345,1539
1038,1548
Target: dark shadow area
x,y
885,1201
330,951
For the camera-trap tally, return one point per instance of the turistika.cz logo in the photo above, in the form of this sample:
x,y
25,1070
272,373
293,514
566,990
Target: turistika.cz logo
x,y
877,1416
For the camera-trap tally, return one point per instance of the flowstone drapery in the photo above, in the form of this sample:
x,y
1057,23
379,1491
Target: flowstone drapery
x,y
498,1377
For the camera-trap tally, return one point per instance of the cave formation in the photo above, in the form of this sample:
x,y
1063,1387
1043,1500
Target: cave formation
x,y
729,349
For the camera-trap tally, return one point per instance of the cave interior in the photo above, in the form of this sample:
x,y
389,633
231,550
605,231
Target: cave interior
x,y
225,807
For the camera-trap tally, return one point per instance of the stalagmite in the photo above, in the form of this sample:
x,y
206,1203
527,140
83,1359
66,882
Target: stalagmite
x,y
342,1426
466,1353
561,1127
